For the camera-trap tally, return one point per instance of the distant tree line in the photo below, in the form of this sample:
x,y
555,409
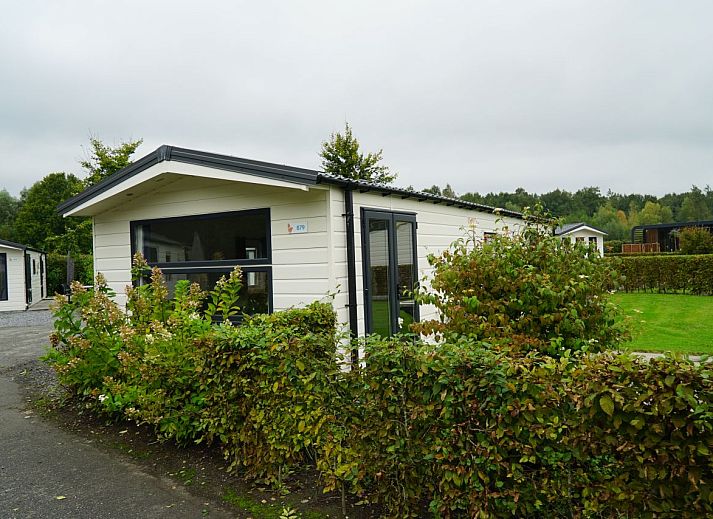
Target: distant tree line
x,y
613,213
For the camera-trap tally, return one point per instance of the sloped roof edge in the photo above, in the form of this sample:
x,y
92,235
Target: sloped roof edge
x,y
571,227
20,246
262,169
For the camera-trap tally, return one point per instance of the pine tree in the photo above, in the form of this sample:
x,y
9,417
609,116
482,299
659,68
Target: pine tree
x,y
341,156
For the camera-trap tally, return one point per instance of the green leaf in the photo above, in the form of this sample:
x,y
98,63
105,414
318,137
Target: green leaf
x,y
607,404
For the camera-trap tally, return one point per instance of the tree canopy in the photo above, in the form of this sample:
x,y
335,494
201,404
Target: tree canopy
x,y
341,156
38,221
104,160
33,219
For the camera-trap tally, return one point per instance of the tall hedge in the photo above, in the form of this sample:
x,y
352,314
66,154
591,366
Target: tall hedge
x,y
691,274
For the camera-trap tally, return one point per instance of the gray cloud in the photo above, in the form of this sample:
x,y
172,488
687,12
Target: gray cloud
x,y
484,95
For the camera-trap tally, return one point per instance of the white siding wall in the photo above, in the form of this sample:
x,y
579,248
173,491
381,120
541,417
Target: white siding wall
x,y
585,234
15,280
439,225
306,266
299,261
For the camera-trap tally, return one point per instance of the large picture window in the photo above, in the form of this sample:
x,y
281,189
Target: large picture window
x,y
203,248
3,277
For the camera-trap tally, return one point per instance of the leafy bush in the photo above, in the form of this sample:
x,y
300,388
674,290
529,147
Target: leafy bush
x,y
666,273
613,246
695,240
529,289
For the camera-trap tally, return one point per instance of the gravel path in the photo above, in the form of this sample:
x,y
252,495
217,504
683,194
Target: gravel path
x,y
23,319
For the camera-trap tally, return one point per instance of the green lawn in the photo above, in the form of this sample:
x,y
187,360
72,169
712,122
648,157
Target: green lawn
x,y
668,322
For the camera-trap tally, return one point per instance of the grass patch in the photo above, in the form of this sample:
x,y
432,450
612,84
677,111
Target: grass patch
x,y
266,510
668,322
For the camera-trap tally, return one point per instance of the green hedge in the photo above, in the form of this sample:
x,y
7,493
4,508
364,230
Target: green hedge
x,y
57,270
454,430
471,433
667,273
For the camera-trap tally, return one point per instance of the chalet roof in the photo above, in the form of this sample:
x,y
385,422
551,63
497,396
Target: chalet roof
x,y
266,170
20,246
571,227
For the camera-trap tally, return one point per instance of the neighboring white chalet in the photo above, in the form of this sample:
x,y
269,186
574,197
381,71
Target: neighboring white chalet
x,y
584,233
23,276
298,234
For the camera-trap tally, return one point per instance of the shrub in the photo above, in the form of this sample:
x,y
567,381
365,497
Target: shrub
x,y
529,289
695,240
613,246
666,273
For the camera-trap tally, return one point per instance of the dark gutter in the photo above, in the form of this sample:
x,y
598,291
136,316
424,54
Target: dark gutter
x,y
364,187
351,273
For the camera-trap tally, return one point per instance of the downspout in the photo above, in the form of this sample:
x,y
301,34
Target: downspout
x,y
351,273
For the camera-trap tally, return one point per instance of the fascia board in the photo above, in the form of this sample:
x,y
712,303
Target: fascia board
x,y
181,168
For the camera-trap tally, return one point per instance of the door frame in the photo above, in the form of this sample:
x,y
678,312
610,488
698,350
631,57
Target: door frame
x,y
391,217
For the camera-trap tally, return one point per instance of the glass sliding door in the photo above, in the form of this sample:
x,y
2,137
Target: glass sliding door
x,y
390,270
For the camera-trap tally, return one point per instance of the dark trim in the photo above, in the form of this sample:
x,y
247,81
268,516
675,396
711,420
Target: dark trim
x,y
28,279
391,217
3,261
209,216
20,246
265,170
675,225
351,272
198,158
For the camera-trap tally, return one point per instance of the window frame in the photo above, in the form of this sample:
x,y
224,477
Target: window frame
x,y
391,217
207,263
220,266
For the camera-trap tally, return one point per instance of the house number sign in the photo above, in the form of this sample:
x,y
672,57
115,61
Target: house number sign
x,y
296,227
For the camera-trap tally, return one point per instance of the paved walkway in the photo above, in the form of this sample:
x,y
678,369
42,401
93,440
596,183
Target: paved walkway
x,y
48,473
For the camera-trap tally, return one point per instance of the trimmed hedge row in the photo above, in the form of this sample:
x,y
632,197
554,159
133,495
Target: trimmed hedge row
x,y
468,432
667,273
451,430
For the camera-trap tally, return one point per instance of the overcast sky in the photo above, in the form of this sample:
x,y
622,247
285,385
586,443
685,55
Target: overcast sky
x,y
487,96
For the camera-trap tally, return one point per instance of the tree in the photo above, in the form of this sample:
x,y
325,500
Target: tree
x,y
37,220
694,206
341,156
653,213
104,160
447,191
9,206
607,219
